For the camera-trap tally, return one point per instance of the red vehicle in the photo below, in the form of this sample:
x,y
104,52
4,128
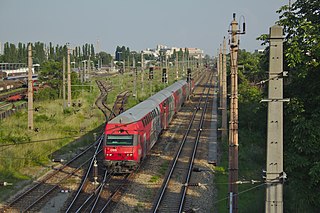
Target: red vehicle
x,y
130,136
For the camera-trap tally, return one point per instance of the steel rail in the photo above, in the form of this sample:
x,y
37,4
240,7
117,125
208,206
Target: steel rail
x,y
98,150
191,162
56,171
175,160
105,178
55,186
107,203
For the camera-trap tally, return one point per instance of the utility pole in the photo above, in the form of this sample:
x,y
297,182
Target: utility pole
x,y
233,126
69,78
177,65
134,78
64,82
30,89
182,62
274,165
167,68
89,68
142,71
220,75
224,126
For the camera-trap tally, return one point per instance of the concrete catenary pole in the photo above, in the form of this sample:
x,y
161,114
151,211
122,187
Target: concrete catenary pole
x,y
220,75
69,78
142,71
183,63
134,77
30,88
64,82
274,164
224,126
233,126
177,65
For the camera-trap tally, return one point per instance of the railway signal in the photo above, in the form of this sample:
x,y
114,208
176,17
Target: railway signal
x,y
164,76
151,73
5,184
95,172
189,75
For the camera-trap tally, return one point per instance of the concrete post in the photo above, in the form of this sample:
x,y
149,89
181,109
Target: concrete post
x,y
30,88
224,119
274,164
233,127
69,79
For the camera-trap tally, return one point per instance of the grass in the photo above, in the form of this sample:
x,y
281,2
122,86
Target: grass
x,y
164,167
60,131
154,179
251,197
139,207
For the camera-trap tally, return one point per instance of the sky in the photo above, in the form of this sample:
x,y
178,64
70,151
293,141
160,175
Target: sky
x,y
137,24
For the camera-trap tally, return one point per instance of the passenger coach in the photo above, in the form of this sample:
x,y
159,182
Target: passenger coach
x,y
130,136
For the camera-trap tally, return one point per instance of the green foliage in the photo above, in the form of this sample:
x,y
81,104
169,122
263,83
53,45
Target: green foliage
x,y
51,74
154,179
46,94
41,118
302,55
252,137
13,137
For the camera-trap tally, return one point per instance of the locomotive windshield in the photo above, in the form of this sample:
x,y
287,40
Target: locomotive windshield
x,y
120,140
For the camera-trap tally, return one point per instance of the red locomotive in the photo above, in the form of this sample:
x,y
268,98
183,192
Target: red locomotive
x,y
130,136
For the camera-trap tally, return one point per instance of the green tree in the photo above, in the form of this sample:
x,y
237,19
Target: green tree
x,y
302,115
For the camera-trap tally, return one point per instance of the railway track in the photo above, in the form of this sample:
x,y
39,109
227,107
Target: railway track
x,y
172,194
101,100
100,197
93,196
86,187
34,198
118,106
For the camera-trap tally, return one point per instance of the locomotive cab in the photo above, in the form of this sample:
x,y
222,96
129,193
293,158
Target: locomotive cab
x,y
121,152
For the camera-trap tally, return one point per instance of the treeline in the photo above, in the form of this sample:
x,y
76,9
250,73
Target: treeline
x,y
42,52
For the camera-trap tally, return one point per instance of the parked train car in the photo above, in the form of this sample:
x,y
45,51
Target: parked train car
x,y
7,85
130,136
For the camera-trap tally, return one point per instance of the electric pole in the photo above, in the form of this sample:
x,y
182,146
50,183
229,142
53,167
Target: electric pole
x,y
89,68
220,75
64,82
142,71
274,165
69,78
177,66
30,89
224,126
167,68
134,77
183,63
233,126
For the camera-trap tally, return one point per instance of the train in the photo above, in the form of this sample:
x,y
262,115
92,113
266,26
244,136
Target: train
x,y
6,85
130,136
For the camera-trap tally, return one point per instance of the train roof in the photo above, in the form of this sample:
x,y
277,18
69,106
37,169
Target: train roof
x,y
165,93
135,113
174,87
140,110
